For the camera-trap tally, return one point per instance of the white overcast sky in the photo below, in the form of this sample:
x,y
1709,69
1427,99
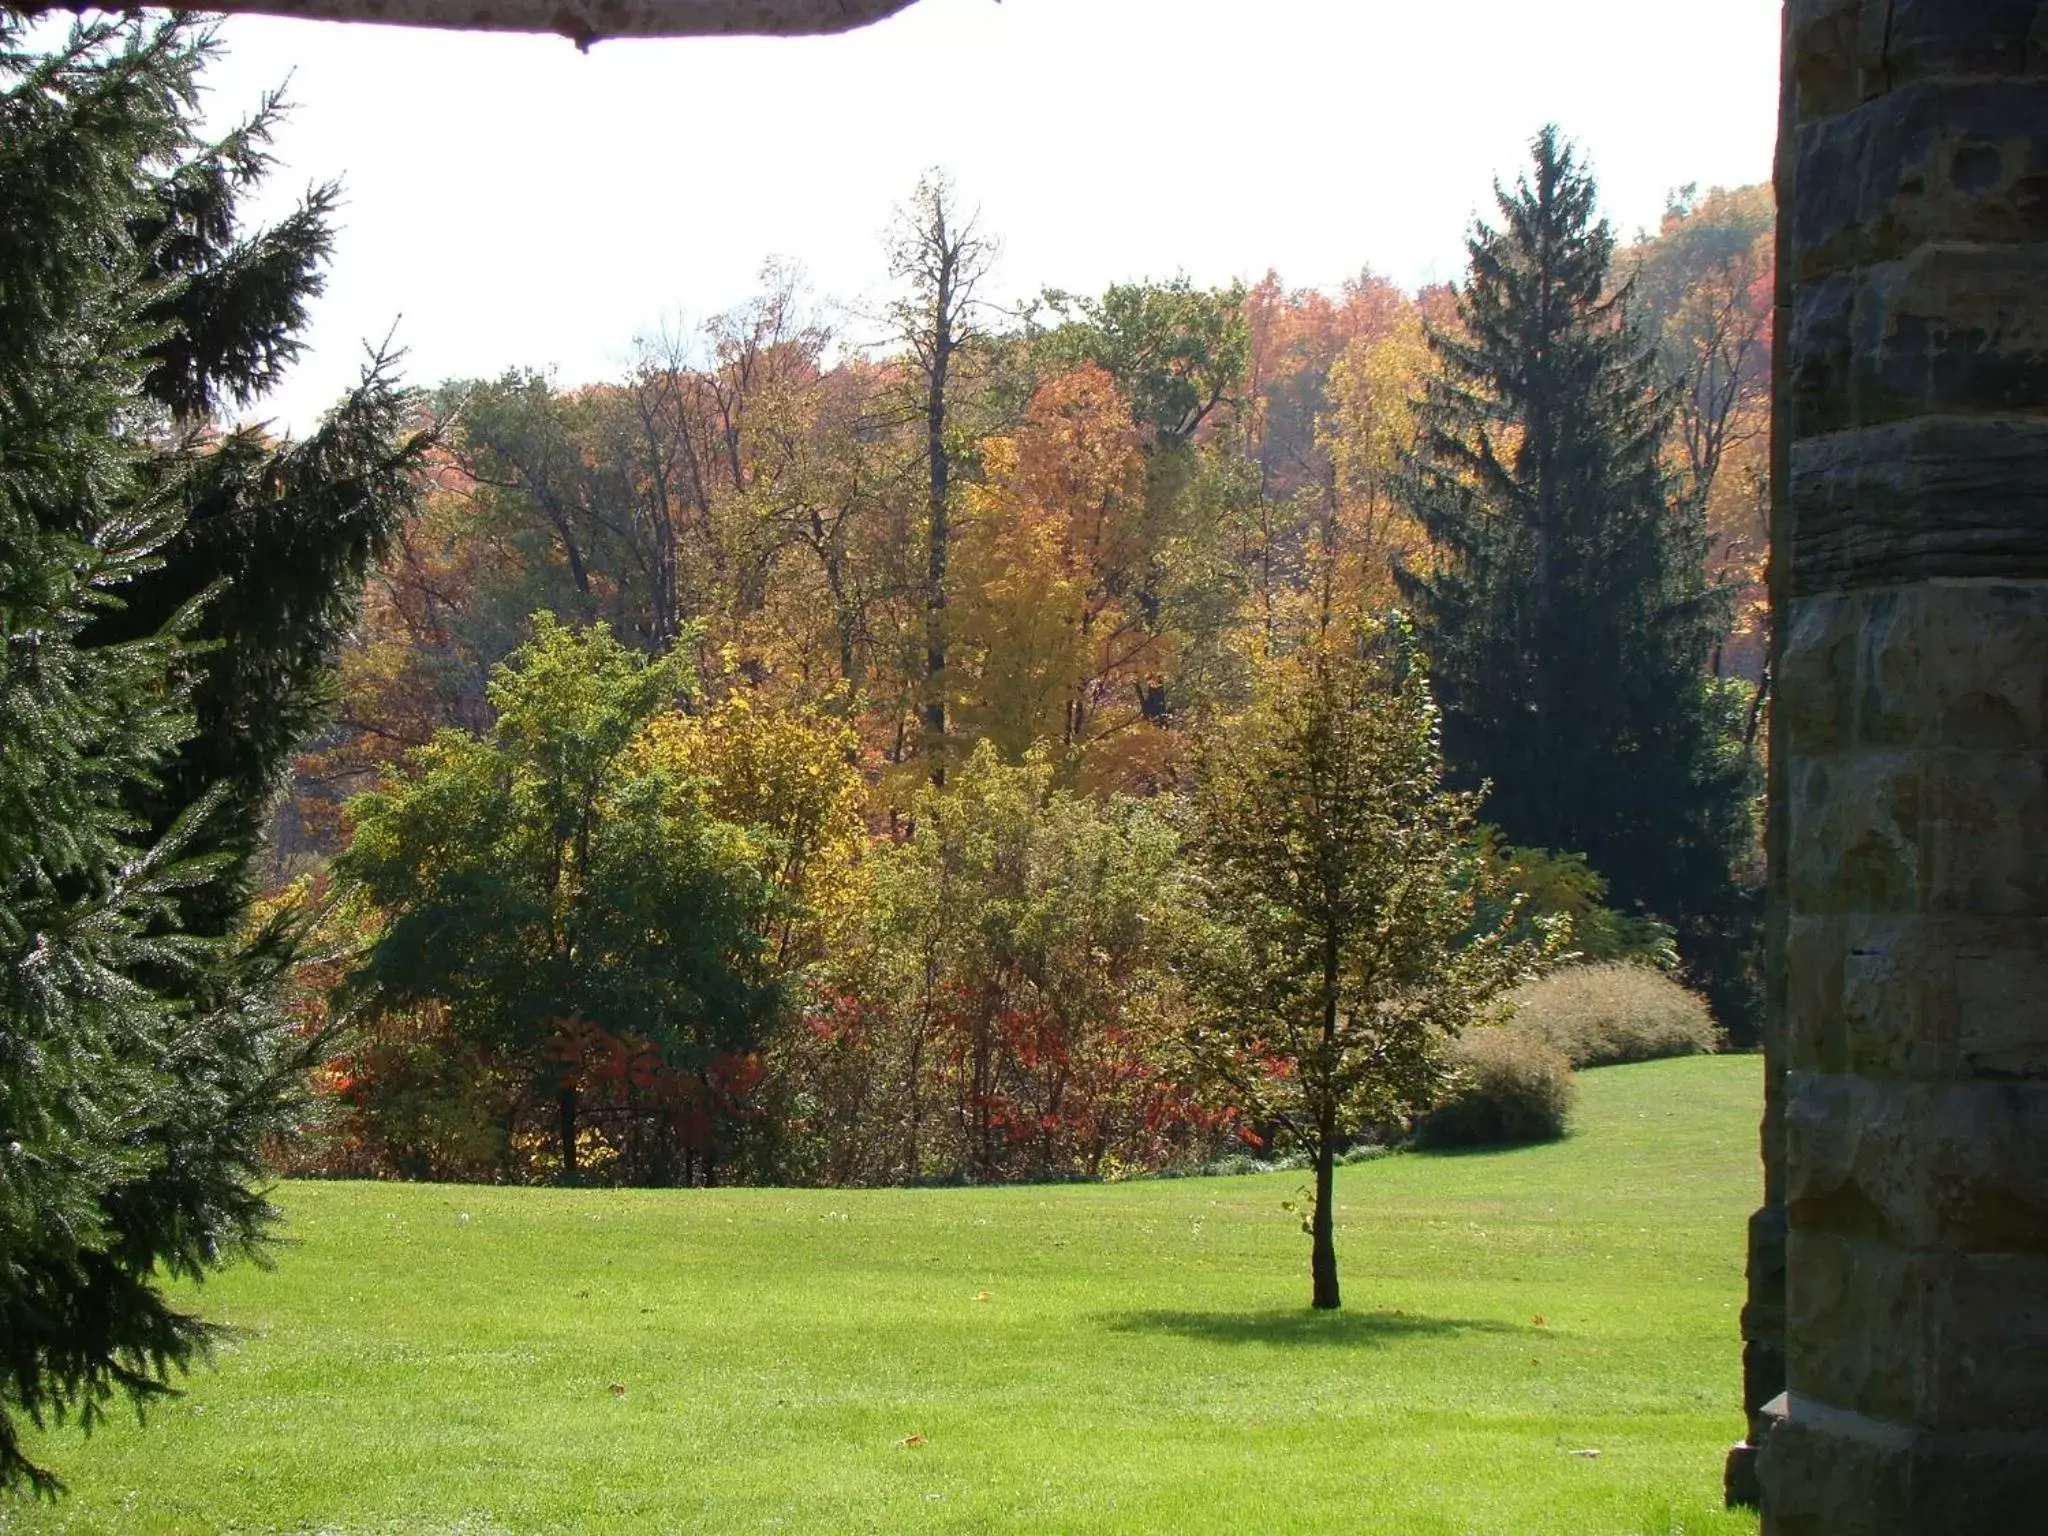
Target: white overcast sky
x,y
510,201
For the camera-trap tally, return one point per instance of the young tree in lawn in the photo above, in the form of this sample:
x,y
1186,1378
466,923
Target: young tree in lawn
x,y
1337,885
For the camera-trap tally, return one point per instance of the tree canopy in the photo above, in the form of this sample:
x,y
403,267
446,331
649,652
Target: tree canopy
x,y
563,873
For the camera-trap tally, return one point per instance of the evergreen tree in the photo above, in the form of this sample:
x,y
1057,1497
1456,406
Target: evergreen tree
x,y
143,1057
1569,617
276,537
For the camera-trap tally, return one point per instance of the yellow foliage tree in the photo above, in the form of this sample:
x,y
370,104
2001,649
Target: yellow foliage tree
x,y
1047,575
791,778
1367,432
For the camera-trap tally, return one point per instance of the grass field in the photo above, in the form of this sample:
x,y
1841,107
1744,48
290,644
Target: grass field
x,y
1121,1358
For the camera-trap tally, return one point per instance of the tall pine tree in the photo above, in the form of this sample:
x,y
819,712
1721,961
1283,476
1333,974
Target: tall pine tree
x,y
143,1055
1568,615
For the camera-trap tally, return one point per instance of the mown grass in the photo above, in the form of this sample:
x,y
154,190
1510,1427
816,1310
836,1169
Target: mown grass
x,y
1123,1358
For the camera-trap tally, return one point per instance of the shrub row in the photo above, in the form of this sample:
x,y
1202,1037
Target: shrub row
x,y
1510,1088
1514,1082
1600,1015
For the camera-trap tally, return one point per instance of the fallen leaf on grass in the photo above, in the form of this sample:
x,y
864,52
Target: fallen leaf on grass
x,y
981,1295
911,1440
617,1389
1540,1320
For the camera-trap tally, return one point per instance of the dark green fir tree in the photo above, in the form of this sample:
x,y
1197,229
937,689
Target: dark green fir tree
x,y
1569,615
170,599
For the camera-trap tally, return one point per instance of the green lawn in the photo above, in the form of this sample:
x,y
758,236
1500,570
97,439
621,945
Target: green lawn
x,y
1122,1358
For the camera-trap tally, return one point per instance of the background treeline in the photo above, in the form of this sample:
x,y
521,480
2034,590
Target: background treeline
x,y
817,699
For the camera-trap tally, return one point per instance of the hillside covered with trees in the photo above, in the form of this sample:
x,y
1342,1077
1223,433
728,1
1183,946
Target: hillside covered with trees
x,y
775,763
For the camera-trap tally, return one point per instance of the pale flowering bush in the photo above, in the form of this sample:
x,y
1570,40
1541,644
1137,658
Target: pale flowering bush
x,y
1506,1088
1598,1015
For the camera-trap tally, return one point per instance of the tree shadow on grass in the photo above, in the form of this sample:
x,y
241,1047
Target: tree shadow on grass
x,y
1302,1326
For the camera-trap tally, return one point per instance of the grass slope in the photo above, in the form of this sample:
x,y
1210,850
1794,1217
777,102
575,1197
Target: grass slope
x,y
1120,1358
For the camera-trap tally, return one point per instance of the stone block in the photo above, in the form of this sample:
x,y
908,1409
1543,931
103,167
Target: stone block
x,y
1934,997
1855,834
1927,499
1817,665
1951,328
1933,161
1958,329
1827,1473
1929,830
1817,1035
1820,357
1848,51
1820,1484
1740,1486
1930,39
1917,1165
1952,666
1837,52
1854,1325
1940,1341
1984,832
1763,1314
2000,981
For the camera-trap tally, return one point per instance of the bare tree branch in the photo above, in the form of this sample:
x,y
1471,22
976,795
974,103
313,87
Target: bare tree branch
x,y
587,21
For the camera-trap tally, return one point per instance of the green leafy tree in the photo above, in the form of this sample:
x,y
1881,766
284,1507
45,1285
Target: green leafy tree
x,y
1177,351
1565,892
1568,618
1337,884
560,478
559,871
143,1053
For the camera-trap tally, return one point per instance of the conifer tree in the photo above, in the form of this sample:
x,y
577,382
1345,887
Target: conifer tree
x,y
1568,617
277,536
143,1055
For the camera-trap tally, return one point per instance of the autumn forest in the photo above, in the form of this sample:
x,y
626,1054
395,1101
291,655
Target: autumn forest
x,y
933,601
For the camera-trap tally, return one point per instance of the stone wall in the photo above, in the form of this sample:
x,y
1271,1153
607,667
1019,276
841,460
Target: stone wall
x,y
1763,1312
1911,805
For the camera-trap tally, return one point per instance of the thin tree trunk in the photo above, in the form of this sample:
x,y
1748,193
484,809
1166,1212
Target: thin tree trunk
x,y
565,1105
1322,1261
939,535
1323,1250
